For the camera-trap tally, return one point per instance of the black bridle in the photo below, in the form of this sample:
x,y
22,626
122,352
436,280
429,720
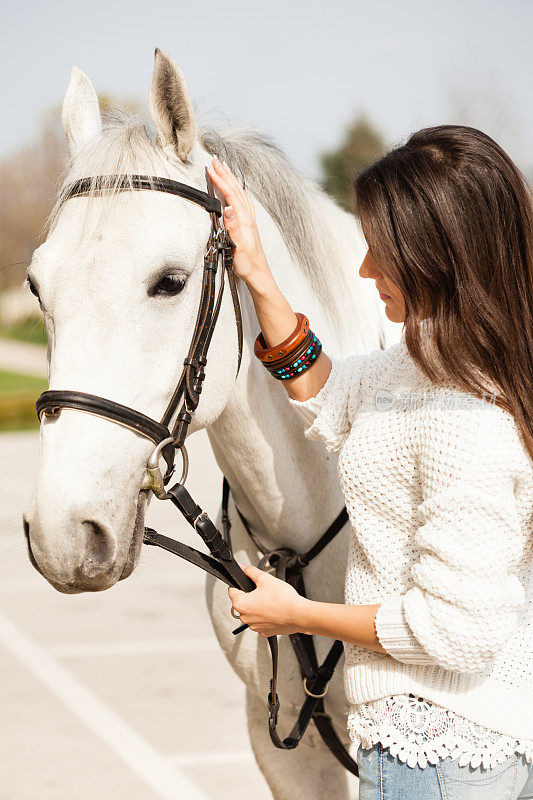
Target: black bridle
x,y
219,562
189,386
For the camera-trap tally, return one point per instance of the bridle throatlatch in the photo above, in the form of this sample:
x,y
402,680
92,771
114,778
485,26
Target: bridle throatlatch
x,y
167,439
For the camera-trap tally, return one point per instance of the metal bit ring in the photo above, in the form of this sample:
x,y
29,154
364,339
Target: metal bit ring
x,y
153,480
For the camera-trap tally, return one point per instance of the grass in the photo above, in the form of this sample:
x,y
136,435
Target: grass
x,y
14,382
18,394
29,330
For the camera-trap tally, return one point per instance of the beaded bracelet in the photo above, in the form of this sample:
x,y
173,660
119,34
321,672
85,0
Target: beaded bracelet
x,y
302,363
295,354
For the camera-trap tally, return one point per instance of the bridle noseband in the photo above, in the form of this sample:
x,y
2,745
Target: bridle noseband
x,y
219,247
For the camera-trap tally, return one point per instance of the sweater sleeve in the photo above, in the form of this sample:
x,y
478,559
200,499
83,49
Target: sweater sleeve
x,y
466,598
327,415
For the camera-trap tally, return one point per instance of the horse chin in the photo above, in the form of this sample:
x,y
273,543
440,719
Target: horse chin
x,y
134,551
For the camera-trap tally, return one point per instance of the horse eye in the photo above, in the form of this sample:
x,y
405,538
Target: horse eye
x,y
32,288
168,285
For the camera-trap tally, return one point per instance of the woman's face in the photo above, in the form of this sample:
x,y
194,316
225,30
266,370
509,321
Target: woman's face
x,y
388,291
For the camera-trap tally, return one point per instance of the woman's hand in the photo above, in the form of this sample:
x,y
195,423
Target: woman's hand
x,y
273,608
239,220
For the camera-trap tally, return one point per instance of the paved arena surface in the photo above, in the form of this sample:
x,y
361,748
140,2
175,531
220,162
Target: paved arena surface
x,y
23,357
121,694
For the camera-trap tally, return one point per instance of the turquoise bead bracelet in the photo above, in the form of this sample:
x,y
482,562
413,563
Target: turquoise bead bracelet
x,y
302,363
294,355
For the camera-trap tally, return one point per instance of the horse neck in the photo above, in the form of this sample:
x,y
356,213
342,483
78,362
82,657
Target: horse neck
x,y
286,486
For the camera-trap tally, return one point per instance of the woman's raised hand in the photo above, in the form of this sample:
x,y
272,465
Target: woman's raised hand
x,y
239,219
274,313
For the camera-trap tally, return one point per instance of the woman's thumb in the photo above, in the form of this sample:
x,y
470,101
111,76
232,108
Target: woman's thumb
x,y
253,572
229,213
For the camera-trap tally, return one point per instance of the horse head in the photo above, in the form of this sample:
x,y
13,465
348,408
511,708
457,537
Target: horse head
x,y
119,280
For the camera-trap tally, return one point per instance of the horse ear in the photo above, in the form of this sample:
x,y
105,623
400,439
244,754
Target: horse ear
x,y
81,113
171,108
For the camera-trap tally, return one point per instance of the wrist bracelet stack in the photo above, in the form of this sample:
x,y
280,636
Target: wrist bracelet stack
x,y
294,355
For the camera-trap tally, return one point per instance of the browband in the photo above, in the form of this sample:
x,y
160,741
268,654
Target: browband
x,y
102,183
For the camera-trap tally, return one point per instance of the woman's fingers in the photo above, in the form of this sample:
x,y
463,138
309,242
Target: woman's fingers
x,y
240,222
227,183
225,170
221,180
234,193
222,184
233,186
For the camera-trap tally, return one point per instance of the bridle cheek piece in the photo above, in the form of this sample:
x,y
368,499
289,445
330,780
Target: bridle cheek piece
x,y
220,562
219,248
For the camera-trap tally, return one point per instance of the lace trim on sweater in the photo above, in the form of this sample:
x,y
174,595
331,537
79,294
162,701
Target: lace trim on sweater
x,y
419,732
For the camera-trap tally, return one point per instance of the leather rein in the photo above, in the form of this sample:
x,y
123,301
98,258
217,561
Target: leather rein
x,y
220,563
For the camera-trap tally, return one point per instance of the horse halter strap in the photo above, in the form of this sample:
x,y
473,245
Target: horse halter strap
x,y
189,387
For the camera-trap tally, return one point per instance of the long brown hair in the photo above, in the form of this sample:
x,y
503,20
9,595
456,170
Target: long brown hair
x,y
448,218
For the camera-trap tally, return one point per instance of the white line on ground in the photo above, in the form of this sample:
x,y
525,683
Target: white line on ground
x,y
212,758
165,780
136,647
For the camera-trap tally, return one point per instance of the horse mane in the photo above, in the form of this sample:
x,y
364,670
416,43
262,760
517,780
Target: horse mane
x,y
296,204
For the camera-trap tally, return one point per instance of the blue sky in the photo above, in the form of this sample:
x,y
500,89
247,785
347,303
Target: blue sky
x,y
297,69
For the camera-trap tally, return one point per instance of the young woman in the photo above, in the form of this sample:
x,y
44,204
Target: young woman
x,y
435,443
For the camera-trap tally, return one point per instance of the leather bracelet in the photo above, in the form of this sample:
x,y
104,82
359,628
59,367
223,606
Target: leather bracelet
x,y
293,355
286,347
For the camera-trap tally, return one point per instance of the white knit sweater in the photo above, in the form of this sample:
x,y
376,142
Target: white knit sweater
x,y
439,491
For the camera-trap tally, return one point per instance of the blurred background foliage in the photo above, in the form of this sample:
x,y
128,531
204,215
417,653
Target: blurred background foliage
x,y
362,144
29,181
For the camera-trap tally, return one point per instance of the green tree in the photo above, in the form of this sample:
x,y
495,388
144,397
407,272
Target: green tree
x,y
362,144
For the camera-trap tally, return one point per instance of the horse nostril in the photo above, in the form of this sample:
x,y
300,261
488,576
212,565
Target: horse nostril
x,y
100,549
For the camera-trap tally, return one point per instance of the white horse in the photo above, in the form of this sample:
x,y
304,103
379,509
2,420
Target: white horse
x,y
115,330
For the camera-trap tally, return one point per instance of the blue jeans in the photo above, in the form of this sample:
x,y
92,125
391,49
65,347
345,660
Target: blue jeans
x,y
385,777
